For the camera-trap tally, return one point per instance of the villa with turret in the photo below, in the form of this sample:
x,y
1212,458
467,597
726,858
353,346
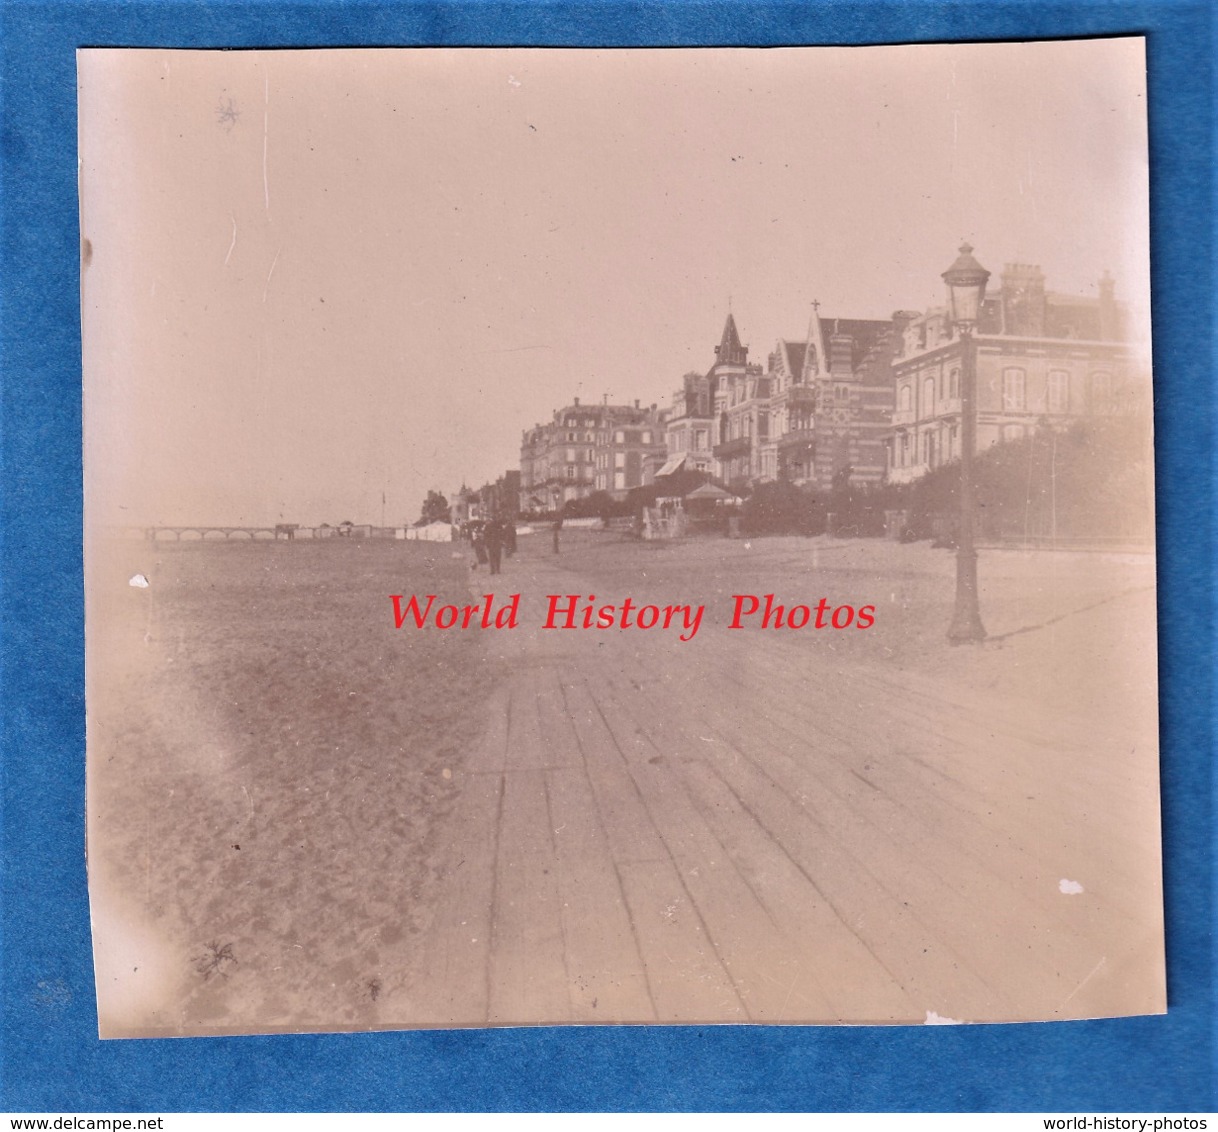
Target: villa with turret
x,y
868,401
878,400
820,406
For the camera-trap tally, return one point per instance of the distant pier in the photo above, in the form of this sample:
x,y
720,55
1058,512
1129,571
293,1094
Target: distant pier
x,y
286,531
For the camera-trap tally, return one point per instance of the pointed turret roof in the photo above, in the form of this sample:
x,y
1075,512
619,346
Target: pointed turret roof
x,y
730,351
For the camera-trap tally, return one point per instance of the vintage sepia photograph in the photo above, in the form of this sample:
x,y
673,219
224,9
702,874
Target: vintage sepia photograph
x,y
619,537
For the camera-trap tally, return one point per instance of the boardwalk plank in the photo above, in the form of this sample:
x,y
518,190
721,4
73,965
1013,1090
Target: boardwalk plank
x,y
528,975
858,987
764,965
529,746
607,979
688,983
629,830
1021,827
979,914
935,975
733,840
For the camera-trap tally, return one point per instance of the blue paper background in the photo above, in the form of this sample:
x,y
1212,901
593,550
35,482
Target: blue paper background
x,y
50,1058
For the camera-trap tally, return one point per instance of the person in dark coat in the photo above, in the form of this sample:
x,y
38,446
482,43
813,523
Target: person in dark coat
x,y
557,528
494,543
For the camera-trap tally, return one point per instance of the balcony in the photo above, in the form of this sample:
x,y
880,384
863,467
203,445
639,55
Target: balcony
x,y
796,438
801,395
903,417
731,449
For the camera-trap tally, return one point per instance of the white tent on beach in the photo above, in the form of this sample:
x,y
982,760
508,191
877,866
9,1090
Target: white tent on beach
x,y
431,532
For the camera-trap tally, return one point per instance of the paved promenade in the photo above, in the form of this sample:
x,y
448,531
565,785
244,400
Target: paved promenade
x,y
757,827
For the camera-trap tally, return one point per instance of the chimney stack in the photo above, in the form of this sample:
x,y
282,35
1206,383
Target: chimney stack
x,y
1023,300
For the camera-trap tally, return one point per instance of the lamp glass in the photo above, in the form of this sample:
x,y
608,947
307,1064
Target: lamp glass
x,y
966,301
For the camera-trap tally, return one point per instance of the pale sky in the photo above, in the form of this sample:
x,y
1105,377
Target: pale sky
x,y
317,276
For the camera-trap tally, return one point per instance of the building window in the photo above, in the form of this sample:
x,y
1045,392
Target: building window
x,y
1059,391
841,392
928,397
619,438
906,397
646,438
700,440
953,382
570,471
619,459
1014,390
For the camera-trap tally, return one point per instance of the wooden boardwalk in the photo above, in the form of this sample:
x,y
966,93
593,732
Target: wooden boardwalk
x,y
720,832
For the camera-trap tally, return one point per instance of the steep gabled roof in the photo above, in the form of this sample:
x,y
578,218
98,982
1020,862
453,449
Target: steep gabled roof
x,y
794,360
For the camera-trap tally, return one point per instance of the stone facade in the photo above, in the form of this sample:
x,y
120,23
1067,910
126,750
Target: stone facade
x,y
691,432
1043,360
590,448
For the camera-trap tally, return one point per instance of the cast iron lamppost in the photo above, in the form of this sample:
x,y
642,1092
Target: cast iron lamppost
x,y
966,280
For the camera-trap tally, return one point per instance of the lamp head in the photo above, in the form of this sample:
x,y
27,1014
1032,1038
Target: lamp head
x,y
966,280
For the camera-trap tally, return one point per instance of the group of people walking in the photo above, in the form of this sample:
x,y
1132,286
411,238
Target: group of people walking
x,y
491,538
